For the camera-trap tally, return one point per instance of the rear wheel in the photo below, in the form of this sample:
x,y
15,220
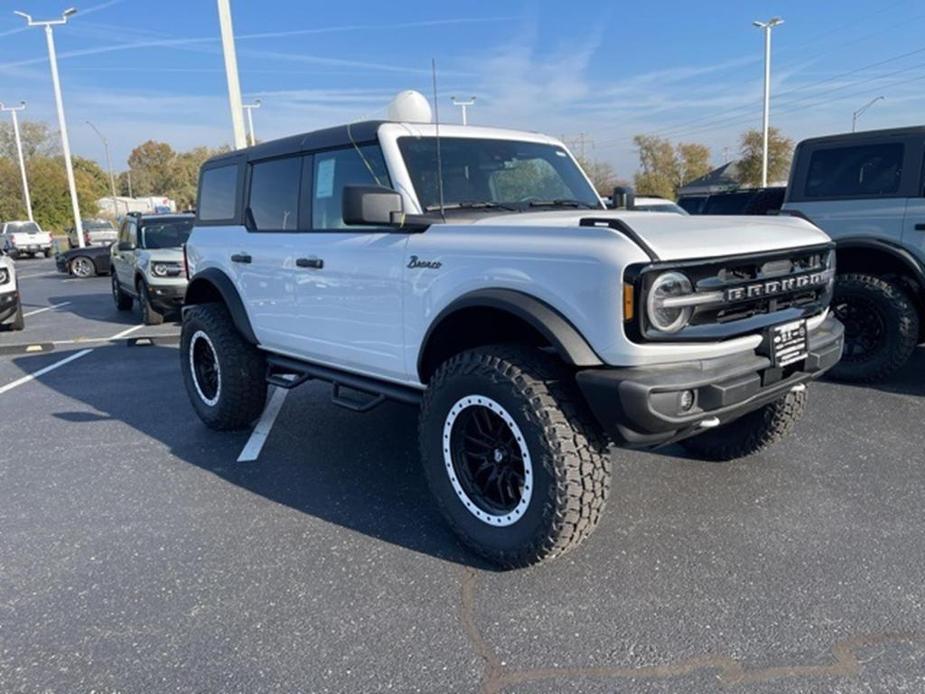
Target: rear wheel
x,y
122,300
750,433
82,267
881,327
225,376
517,465
149,314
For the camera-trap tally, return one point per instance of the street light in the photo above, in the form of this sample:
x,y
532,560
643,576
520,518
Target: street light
x,y
59,102
231,73
766,26
112,179
857,114
248,108
22,161
464,105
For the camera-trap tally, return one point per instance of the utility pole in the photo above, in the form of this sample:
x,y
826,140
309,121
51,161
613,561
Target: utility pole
x,y
231,72
248,108
129,175
22,161
857,114
59,102
112,178
766,121
464,105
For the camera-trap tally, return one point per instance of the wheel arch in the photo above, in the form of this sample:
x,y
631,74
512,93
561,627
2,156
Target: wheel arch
x,y
878,257
214,286
500,315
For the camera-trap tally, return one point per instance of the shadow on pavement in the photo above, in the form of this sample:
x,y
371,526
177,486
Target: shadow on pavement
x,y
358,471
910,380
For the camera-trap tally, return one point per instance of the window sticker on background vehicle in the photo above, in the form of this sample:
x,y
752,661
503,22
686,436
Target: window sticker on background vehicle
x,y
325,185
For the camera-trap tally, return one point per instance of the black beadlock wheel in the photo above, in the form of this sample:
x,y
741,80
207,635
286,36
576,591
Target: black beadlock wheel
x,y
518,466
224,375
751,433
881,327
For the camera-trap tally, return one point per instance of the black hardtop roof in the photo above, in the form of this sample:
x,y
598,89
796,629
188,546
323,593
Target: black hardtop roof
x,y
338,136
170,216
866,135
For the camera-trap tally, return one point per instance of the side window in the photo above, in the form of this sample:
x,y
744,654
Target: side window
x,y
855,171
274,194
217,194
124,233
343,167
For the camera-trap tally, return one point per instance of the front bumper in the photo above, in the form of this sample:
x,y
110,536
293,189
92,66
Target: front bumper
x,y
641,406
167,296
9,302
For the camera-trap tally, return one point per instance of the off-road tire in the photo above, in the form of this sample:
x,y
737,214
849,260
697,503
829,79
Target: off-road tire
x,y
243,388
149,314
900,320
122,300
19,321
751,433
568,452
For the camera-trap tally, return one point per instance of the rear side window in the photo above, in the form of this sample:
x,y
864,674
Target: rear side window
x,y
333,170
217,194
274,194
866,170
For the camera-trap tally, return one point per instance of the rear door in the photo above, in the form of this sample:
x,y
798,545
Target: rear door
x,y
914,222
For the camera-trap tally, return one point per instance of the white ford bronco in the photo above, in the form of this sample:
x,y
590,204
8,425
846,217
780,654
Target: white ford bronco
x,y
10,301
476,273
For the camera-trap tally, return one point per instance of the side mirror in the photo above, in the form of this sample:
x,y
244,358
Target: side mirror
x,y
623,198
125,246
371,205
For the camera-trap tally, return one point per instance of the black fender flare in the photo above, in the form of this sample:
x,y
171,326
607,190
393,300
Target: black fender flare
x,y
552,325
213,278
903,256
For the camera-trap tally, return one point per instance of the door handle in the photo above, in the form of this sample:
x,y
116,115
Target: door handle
x,y
313,263
241,258
920,227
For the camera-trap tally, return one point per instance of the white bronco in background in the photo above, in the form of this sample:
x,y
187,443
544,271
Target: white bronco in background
x,y
481,277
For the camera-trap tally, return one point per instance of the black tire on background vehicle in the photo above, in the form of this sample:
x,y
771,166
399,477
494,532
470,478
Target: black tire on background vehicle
x,y
517,464
50,252
225,376
122,300
149,314
750,433
19,321
82,267
881,327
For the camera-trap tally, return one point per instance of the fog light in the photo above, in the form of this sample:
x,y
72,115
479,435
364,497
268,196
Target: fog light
x,y
686,400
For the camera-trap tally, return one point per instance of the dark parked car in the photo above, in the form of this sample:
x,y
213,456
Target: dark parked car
x,y
742,201
85,262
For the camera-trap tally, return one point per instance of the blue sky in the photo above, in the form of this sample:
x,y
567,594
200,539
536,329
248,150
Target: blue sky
x,y
691,71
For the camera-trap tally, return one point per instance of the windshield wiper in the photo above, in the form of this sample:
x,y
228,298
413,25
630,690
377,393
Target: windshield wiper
x,y
480,205
562,202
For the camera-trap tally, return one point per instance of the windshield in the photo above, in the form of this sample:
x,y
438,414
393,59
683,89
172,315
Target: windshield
x,y
23,228
660,207
485,173
166,234
98,225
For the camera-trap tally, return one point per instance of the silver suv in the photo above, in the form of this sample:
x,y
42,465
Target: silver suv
x,y
147,264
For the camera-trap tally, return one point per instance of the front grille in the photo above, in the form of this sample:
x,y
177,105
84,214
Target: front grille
x,y
744,294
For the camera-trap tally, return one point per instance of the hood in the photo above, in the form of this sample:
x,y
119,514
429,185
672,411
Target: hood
x,y
165,255
677,237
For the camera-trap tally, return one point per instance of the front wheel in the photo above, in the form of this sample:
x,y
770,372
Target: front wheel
x,y
752,432
225,376
19,321
122,300
517,465
149,314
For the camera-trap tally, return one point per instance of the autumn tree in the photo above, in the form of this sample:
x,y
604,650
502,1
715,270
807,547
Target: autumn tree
x,y
37,140
780,154
157,169
602,175
665,167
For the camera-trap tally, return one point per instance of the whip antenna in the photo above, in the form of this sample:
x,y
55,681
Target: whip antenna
x,y
433,67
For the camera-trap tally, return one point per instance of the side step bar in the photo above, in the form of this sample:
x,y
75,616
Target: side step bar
x,y
285,372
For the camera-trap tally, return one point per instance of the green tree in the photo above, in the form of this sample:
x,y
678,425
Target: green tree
x,y
37,140
11,201
780,154
51,200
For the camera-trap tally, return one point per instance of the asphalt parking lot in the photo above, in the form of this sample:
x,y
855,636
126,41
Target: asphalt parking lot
x,y
136,554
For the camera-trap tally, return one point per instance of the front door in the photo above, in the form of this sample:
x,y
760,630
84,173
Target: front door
x,y
123,261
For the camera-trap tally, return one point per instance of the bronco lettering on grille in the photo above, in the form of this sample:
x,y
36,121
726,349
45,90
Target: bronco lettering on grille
x,y
773,287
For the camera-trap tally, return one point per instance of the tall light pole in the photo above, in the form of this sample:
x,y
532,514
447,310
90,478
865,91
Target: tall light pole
x,y
62,124
464,104
250,119
767,26
112,178
860,112
22,160
231,72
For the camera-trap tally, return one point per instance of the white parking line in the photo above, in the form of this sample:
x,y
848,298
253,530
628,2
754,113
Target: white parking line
x,y
47,308
255,443
58,364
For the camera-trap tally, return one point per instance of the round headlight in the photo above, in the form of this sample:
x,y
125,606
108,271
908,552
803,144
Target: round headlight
x,y
159,269
668,319
4,275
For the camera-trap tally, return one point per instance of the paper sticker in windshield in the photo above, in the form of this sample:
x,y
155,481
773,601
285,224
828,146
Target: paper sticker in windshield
x,y
325,179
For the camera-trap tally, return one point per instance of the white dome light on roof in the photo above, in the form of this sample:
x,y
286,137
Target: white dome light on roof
x,y
410,107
